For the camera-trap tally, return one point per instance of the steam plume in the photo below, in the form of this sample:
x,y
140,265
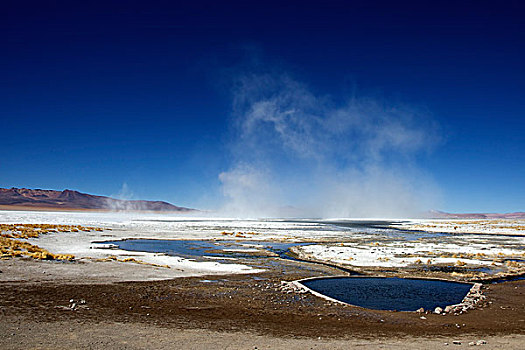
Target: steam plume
x,y
305,155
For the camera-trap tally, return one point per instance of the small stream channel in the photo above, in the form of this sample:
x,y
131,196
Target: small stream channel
x,y
201,248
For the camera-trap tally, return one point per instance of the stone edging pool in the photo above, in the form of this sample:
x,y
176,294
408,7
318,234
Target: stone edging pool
x,y
473,297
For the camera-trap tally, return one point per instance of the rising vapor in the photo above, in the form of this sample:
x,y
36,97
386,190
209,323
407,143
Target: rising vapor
x,y
298,154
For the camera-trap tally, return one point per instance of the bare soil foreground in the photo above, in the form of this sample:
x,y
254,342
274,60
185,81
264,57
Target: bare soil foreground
x,y
231,312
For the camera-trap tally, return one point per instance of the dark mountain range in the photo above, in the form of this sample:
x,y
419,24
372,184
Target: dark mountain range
x,y
68,199
435,214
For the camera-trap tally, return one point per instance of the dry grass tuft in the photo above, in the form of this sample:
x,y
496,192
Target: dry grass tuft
x,y
11,247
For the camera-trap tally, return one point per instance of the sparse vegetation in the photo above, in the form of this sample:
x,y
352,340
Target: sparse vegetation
x,y
11,245
131,260
238,234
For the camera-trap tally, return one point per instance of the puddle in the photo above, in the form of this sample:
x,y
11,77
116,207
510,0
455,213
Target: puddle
x,y
384,228
213,281
401,294
509,279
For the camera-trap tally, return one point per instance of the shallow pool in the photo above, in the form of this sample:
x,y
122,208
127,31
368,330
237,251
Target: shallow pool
x,y
200,248
400,294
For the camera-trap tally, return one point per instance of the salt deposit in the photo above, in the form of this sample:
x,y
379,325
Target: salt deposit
x,y
500,245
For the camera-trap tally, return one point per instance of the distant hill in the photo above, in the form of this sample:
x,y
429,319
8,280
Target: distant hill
x,y
435,214
68,199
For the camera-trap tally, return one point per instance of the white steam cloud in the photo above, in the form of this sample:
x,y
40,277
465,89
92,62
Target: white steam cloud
x,y
298,154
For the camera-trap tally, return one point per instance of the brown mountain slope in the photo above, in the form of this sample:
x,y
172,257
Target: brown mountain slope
x,y
434,214
68,199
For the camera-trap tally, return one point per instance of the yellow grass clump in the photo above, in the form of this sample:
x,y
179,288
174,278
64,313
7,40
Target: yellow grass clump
x,y
238,234
511,263
15,248
11,247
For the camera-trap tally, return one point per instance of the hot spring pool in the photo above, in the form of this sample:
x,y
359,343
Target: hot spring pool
x,y
400,294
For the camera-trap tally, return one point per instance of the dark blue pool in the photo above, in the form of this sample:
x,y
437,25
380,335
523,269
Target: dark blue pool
x,y
400,294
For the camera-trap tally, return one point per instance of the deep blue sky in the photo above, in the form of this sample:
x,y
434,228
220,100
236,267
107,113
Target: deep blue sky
x,y
97,95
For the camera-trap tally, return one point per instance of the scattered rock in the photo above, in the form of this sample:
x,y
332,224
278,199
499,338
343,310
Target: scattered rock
x,y
420,310
456,342
438,310
471,344
291,287
481,342
471,300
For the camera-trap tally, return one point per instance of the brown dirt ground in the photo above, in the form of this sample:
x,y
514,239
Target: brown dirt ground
x,y
242,310
252,303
